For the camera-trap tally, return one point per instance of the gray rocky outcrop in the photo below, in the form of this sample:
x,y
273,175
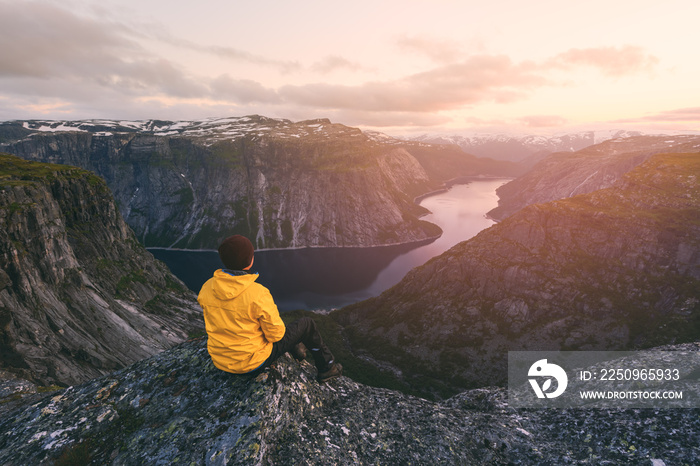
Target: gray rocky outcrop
x,y
566,174
176,407
618,268
79,296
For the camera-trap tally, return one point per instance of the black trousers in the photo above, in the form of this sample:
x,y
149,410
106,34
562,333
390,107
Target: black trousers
x,y
305,331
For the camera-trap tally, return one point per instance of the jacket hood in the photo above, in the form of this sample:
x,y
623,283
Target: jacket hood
x,y
227,285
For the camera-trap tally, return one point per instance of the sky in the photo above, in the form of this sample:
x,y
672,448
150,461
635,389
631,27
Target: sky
x,y
401,67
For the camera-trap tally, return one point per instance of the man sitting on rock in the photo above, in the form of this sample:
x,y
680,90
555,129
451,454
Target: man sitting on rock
x,y
246,333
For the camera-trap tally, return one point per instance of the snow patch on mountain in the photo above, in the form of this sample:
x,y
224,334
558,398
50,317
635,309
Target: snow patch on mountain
x,y
521,147
530,147
208,131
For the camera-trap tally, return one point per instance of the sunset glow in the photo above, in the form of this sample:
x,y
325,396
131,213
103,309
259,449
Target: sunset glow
x,y
398,67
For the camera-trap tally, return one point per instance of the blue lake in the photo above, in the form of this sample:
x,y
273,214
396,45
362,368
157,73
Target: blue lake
x,y
328,278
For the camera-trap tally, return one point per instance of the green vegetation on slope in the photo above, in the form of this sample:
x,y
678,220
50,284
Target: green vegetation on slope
x,y
17,171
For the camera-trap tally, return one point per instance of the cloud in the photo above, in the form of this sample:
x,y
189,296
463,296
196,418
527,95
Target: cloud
x,y
227,53
242,91
690,114
682,114
478,79
146,76
440,51
45,49
542,121
72,55
475,121
611,61
334,63
54,60
387,119
43,41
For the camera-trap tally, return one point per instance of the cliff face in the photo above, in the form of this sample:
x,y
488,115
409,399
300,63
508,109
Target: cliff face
x,y
618,268
280,183
79,296
565,174
176,407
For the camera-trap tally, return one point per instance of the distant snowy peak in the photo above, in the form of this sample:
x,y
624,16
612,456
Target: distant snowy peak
x,y
384,139
209,130
602,136
521,147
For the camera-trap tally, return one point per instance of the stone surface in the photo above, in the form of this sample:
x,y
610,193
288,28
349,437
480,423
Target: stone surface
x,y
79,296
177,408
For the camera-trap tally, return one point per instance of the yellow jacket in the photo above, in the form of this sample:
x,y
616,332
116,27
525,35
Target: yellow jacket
x,y
241,319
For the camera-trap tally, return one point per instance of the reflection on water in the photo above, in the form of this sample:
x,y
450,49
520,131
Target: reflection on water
x,y
460,212
309,278
324,278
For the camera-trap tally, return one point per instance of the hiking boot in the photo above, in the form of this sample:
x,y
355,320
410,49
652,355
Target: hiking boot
x,y
333,371
299,351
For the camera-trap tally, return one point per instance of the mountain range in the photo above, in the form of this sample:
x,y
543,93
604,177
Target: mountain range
x,y
283,184
526,149
566,174
601,252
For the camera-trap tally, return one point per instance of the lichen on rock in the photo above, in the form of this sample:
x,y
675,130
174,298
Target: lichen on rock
x,y
176,407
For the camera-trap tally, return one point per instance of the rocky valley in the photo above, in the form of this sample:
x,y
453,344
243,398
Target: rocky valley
x,y
283,184
84,305
617,268
79,296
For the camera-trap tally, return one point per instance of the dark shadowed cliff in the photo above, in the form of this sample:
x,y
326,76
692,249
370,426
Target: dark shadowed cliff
x,y
567,174
176,408
617,268
79,296
283,184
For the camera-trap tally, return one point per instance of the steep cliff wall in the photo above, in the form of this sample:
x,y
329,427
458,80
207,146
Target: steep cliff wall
x,y
617,268
176,408
79,296
283,184
566,174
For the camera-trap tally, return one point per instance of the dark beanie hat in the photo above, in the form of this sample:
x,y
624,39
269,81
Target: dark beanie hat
x,y
236,252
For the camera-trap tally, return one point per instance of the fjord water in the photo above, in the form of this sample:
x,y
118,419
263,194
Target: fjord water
x,y
327,278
